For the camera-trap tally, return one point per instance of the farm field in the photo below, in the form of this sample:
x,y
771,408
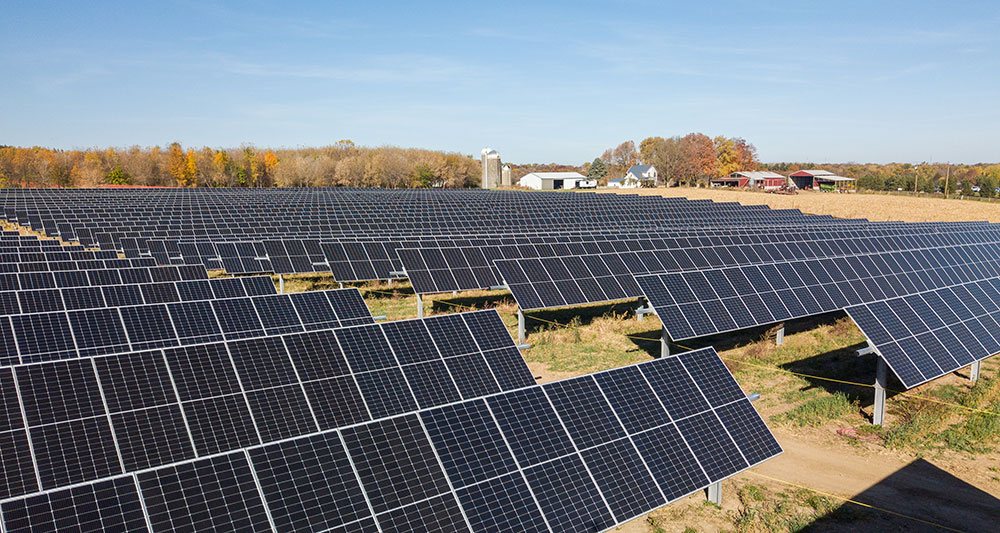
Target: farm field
x,y
875,207
931,461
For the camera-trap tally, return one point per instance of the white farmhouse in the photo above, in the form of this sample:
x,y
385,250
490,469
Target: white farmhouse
x,y
637,176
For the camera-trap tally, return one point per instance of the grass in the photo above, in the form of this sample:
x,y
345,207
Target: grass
x,y
818,410
855,205
930,427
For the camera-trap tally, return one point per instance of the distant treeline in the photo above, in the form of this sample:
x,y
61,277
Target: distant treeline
x,y
689,160
340,165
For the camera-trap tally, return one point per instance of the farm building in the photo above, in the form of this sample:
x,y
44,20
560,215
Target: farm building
x,y
821,179
760,179
548,181
637,176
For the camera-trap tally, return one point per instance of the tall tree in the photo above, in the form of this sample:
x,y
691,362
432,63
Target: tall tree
x,y
725,156
700,150
746,154
190,173
597,171
177,163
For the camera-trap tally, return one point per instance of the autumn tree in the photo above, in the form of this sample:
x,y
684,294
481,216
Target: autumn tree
x,y
725,156
177,163
700,151
745,153
189,174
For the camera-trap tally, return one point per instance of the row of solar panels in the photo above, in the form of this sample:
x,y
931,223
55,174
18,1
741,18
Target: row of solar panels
x,y
449,269
17,302
145,409
534,236
576,455
37,337
271,218
360,261
542,283
101,276
700,301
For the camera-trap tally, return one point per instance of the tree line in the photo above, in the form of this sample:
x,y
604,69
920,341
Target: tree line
x,y
692,159
342,164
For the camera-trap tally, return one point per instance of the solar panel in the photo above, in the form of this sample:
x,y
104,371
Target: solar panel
x,y
699,303
59,335
925,335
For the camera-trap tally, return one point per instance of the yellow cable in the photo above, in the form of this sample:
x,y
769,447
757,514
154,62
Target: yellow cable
x,y
855,502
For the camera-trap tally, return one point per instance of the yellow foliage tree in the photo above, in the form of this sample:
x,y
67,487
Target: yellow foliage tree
x,y
177,163
190,174
270,162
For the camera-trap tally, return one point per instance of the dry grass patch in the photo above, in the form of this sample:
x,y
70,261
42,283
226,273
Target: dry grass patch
x,y
872,206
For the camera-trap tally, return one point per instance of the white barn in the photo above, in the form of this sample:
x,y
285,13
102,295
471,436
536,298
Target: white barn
x,y
550,181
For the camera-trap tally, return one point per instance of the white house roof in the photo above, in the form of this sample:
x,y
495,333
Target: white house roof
x,y
639,170
557,175
831,177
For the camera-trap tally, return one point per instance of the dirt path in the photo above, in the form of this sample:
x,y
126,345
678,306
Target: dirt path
x,y
917,488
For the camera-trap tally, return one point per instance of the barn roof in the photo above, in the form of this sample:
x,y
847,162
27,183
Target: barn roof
x,y
557,175
812,172
757,174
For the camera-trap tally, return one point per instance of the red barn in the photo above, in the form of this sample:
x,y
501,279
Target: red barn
x,y
760,179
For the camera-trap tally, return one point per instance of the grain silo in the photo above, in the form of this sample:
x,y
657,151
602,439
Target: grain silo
x,y
491,168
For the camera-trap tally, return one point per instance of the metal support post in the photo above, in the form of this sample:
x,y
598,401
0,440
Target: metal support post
x,y
281,284
881,377
520,326
340,284
420,306
869,348
665,344
715,493
974,371
388,282
779,338
640,312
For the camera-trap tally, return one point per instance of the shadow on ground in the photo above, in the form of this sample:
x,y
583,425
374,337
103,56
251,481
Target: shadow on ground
x,y
920,490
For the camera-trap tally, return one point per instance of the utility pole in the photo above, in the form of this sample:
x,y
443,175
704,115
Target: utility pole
x,y
947,174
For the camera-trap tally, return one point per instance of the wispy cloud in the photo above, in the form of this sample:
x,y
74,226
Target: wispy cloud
x,y
906,72
400,68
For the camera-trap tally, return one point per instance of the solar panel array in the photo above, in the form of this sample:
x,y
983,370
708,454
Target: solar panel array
x,y
576,455
144,397
15,302
48,336
928,334
706,302
444,269
555,282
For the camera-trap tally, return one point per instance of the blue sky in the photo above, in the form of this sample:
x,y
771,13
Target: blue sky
x,y
539,81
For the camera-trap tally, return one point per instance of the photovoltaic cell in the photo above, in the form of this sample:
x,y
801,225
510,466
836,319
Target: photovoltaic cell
x,y
111,505
309,484
395,462
216,494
